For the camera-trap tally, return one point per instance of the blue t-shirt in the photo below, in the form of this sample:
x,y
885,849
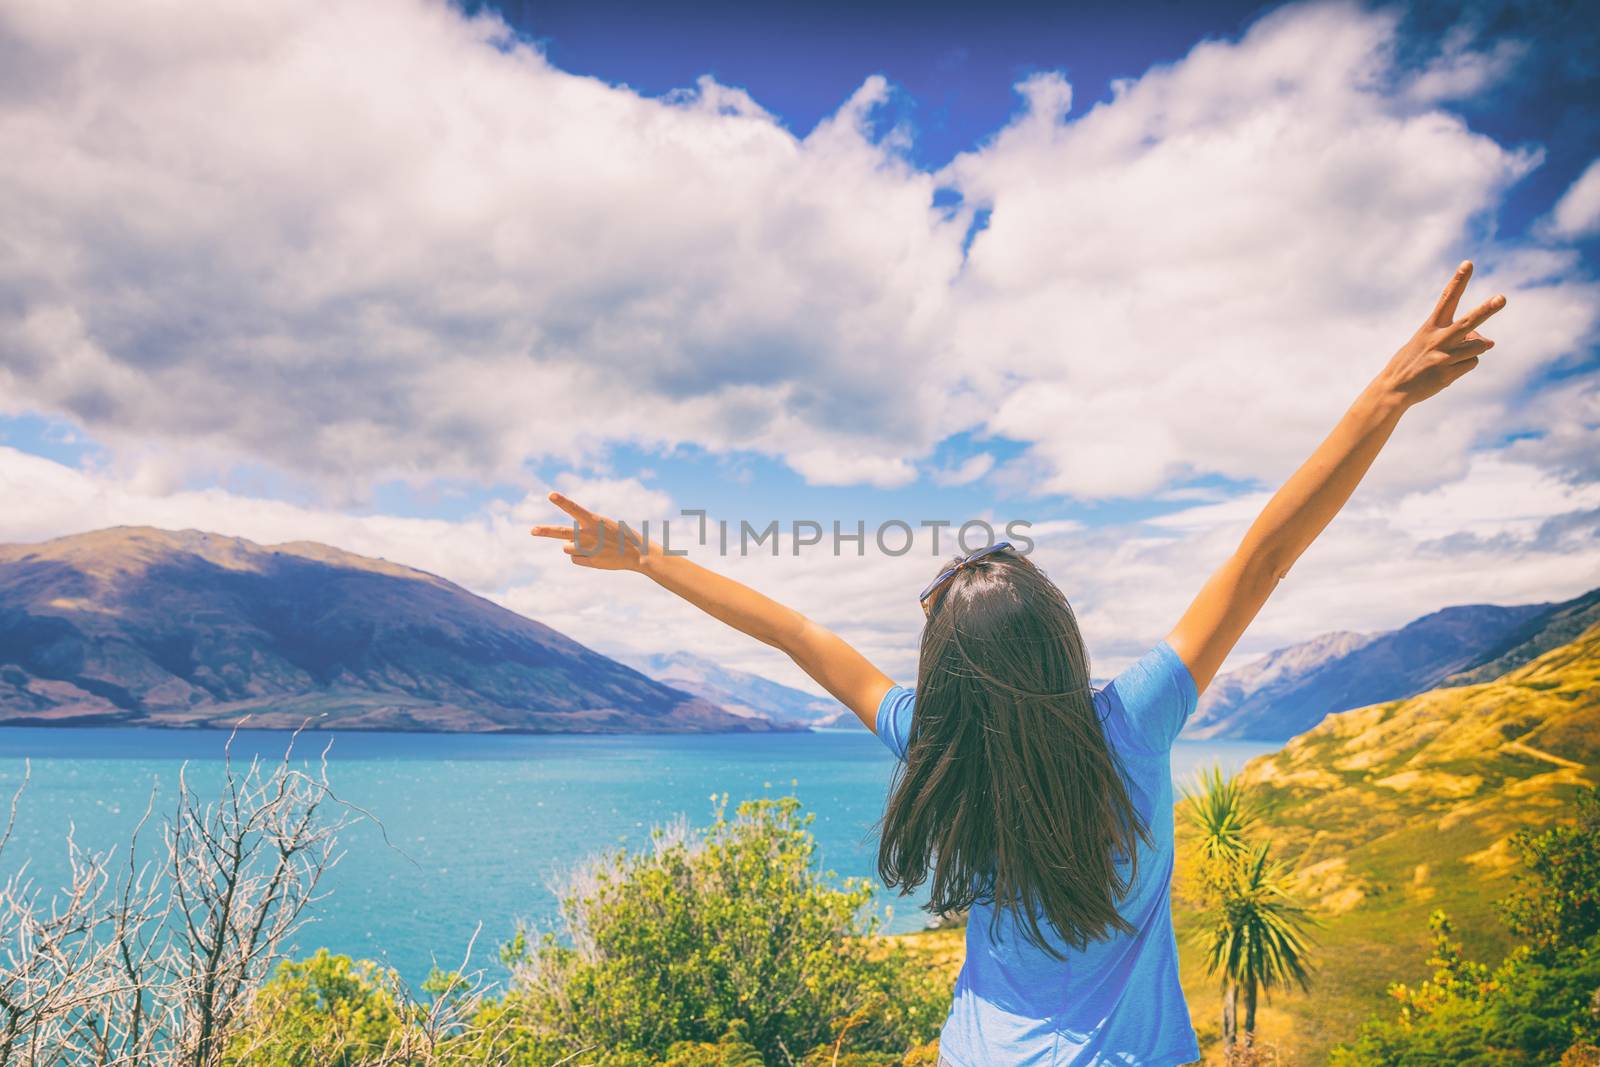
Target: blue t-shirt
x,y
1116,1001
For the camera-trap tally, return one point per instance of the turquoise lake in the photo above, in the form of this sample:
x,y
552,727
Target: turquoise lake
x,y
489,821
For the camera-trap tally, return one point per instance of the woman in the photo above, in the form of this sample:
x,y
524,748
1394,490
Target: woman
x,y
1042,806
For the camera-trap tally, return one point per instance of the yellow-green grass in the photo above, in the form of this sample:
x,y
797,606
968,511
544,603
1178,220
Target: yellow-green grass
x,y
1386,813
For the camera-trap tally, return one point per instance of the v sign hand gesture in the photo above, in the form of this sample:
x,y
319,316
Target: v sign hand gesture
x,y
597,541
1444,348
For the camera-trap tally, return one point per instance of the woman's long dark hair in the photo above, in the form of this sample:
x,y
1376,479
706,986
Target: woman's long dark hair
x,y
1009,791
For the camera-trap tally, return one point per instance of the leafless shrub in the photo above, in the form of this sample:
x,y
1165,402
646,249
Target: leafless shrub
x,y
46,947
153,962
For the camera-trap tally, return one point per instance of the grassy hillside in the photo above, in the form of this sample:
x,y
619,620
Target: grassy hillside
x,y
1393,810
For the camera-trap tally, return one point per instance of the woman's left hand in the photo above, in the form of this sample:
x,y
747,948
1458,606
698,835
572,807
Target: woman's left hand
x,y
1443,349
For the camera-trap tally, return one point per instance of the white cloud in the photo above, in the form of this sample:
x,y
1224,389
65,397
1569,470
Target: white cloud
x,y
1503,534
1565,425
1498,498
627,499
966,472
1577,213
1458,72
833,465
1199,494
1200,274
46,499
382,240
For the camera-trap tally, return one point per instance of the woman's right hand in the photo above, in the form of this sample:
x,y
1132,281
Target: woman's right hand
x,y
594,540
598,542
1443,349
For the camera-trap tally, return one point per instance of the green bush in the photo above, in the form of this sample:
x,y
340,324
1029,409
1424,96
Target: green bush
x,y
732,927
1560,906
326,1011
724,948
1542,1003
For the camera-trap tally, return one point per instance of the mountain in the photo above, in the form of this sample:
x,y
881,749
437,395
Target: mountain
x,y
1291,690
140,626
1280,677
740,692
1392,810
1560,624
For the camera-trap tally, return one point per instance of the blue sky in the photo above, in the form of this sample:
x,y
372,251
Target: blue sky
x,y
383,276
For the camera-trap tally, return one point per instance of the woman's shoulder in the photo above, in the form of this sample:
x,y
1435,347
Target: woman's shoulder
x,y
1154,697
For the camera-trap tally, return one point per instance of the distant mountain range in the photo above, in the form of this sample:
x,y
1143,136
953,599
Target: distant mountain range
x,y
739,691
140,626
135,625
1289,691
1562,623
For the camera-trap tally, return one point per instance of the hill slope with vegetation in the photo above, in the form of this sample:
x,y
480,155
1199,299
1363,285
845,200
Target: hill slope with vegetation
x,y
1391,811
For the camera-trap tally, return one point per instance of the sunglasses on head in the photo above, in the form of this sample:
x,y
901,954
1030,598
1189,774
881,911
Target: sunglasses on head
x,y
950,572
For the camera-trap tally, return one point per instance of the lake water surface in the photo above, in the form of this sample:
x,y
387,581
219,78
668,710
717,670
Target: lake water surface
x,y
489,821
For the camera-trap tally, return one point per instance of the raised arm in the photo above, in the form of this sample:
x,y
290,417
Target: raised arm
x,y
1441,351
821,653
